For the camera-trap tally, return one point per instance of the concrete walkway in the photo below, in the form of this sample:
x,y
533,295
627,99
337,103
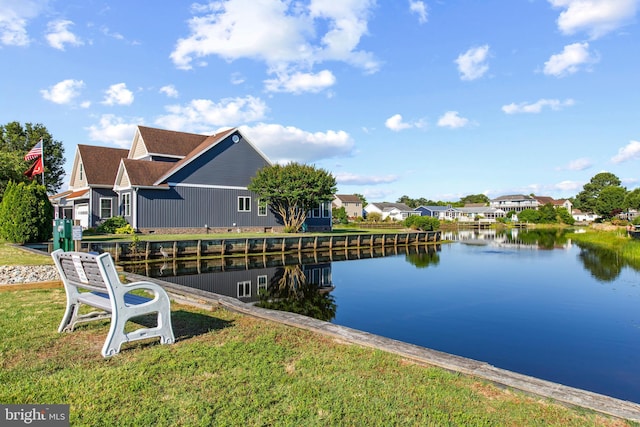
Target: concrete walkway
x,y
530,385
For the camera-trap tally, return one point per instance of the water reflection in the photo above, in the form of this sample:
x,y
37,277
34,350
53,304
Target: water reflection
x,y
298,282
302,291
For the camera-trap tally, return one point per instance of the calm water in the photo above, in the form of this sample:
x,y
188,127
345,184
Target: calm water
x,y
534,304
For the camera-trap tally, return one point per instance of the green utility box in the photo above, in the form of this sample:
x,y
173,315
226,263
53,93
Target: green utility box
x,y
63,234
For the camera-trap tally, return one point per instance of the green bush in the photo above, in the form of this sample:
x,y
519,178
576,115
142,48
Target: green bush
x,y
26,214
127,229
424,223
109,226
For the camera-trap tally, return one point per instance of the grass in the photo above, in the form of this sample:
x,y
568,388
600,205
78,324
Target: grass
x,y
616,240
230,369
12,255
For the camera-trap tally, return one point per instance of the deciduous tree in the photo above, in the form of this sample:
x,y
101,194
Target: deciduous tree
x,y
15,141
586,200
293,190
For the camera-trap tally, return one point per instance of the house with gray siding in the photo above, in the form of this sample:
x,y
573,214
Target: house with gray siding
x,y
177,182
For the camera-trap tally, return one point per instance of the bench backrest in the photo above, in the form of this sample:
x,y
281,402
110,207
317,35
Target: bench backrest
x,y
81,270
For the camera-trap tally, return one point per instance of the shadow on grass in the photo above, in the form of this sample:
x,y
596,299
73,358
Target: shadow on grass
x,y
186,324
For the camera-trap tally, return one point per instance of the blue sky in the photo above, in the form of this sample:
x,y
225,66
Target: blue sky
x,y
434,99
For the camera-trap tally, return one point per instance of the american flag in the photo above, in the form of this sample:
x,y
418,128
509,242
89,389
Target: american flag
x,y
35,152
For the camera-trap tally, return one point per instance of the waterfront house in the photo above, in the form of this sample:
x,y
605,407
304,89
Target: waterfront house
x,y
515,203
395,211
177,182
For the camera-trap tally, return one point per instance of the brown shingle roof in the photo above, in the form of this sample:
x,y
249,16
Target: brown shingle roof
x,y
168,142
145,173
100,164
348,198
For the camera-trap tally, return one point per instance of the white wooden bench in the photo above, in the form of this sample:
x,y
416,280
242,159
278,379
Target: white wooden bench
x,y
93,280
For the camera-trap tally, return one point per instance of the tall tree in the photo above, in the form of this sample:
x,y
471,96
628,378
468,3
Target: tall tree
x,y
293,190
15,141
610,201
475,198
586,200
632,199
362,199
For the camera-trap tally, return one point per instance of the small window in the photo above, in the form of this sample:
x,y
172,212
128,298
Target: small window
x,y
105,208
126,204
316,212
326,210
262,283
244,204
244,289
262,207
80,171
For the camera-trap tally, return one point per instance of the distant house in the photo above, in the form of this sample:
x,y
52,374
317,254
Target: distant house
x,y
177,182
433,211
351,204
556,203
395,211
516,203
580,216
486,213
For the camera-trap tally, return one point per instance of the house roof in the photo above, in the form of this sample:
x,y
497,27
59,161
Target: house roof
x,y
60,195
80,194
386,206
169,142
513,197
100,164
348,198
144,173
434,208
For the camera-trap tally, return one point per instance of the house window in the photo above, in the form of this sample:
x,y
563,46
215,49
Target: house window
x,y
262,207
316,212
105,208
244,289
262,283
126,204
80,171
326,210
244,204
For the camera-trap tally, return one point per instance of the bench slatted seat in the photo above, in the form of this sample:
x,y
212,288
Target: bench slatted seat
x,y
93,280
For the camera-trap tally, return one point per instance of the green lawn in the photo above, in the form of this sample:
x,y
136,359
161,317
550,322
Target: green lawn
x,y
230,369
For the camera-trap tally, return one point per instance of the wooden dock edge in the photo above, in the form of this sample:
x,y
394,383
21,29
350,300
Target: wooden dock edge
x,y
565,395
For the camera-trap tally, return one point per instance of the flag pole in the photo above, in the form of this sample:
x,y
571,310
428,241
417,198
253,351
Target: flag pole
x,y
42,141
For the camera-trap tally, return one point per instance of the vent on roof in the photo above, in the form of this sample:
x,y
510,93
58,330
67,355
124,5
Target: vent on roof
x,y
235,139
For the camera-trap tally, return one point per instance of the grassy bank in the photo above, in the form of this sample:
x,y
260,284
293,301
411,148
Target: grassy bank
x,y
229,369
613,240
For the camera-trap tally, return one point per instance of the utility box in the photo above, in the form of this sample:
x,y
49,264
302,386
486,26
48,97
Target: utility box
x,y
63,234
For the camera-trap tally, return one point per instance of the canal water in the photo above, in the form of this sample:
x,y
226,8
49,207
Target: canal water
x,y
530,302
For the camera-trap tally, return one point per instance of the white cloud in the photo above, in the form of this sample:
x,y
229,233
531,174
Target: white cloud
x,y
579,164
396,123
568,186
420,9
570,60
301,82
287,143
472,64
170,91
202,115
286,36
14,16
114,130
118,94
63,92
452,119
596,17
631,151
346,178
537,107
58,34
